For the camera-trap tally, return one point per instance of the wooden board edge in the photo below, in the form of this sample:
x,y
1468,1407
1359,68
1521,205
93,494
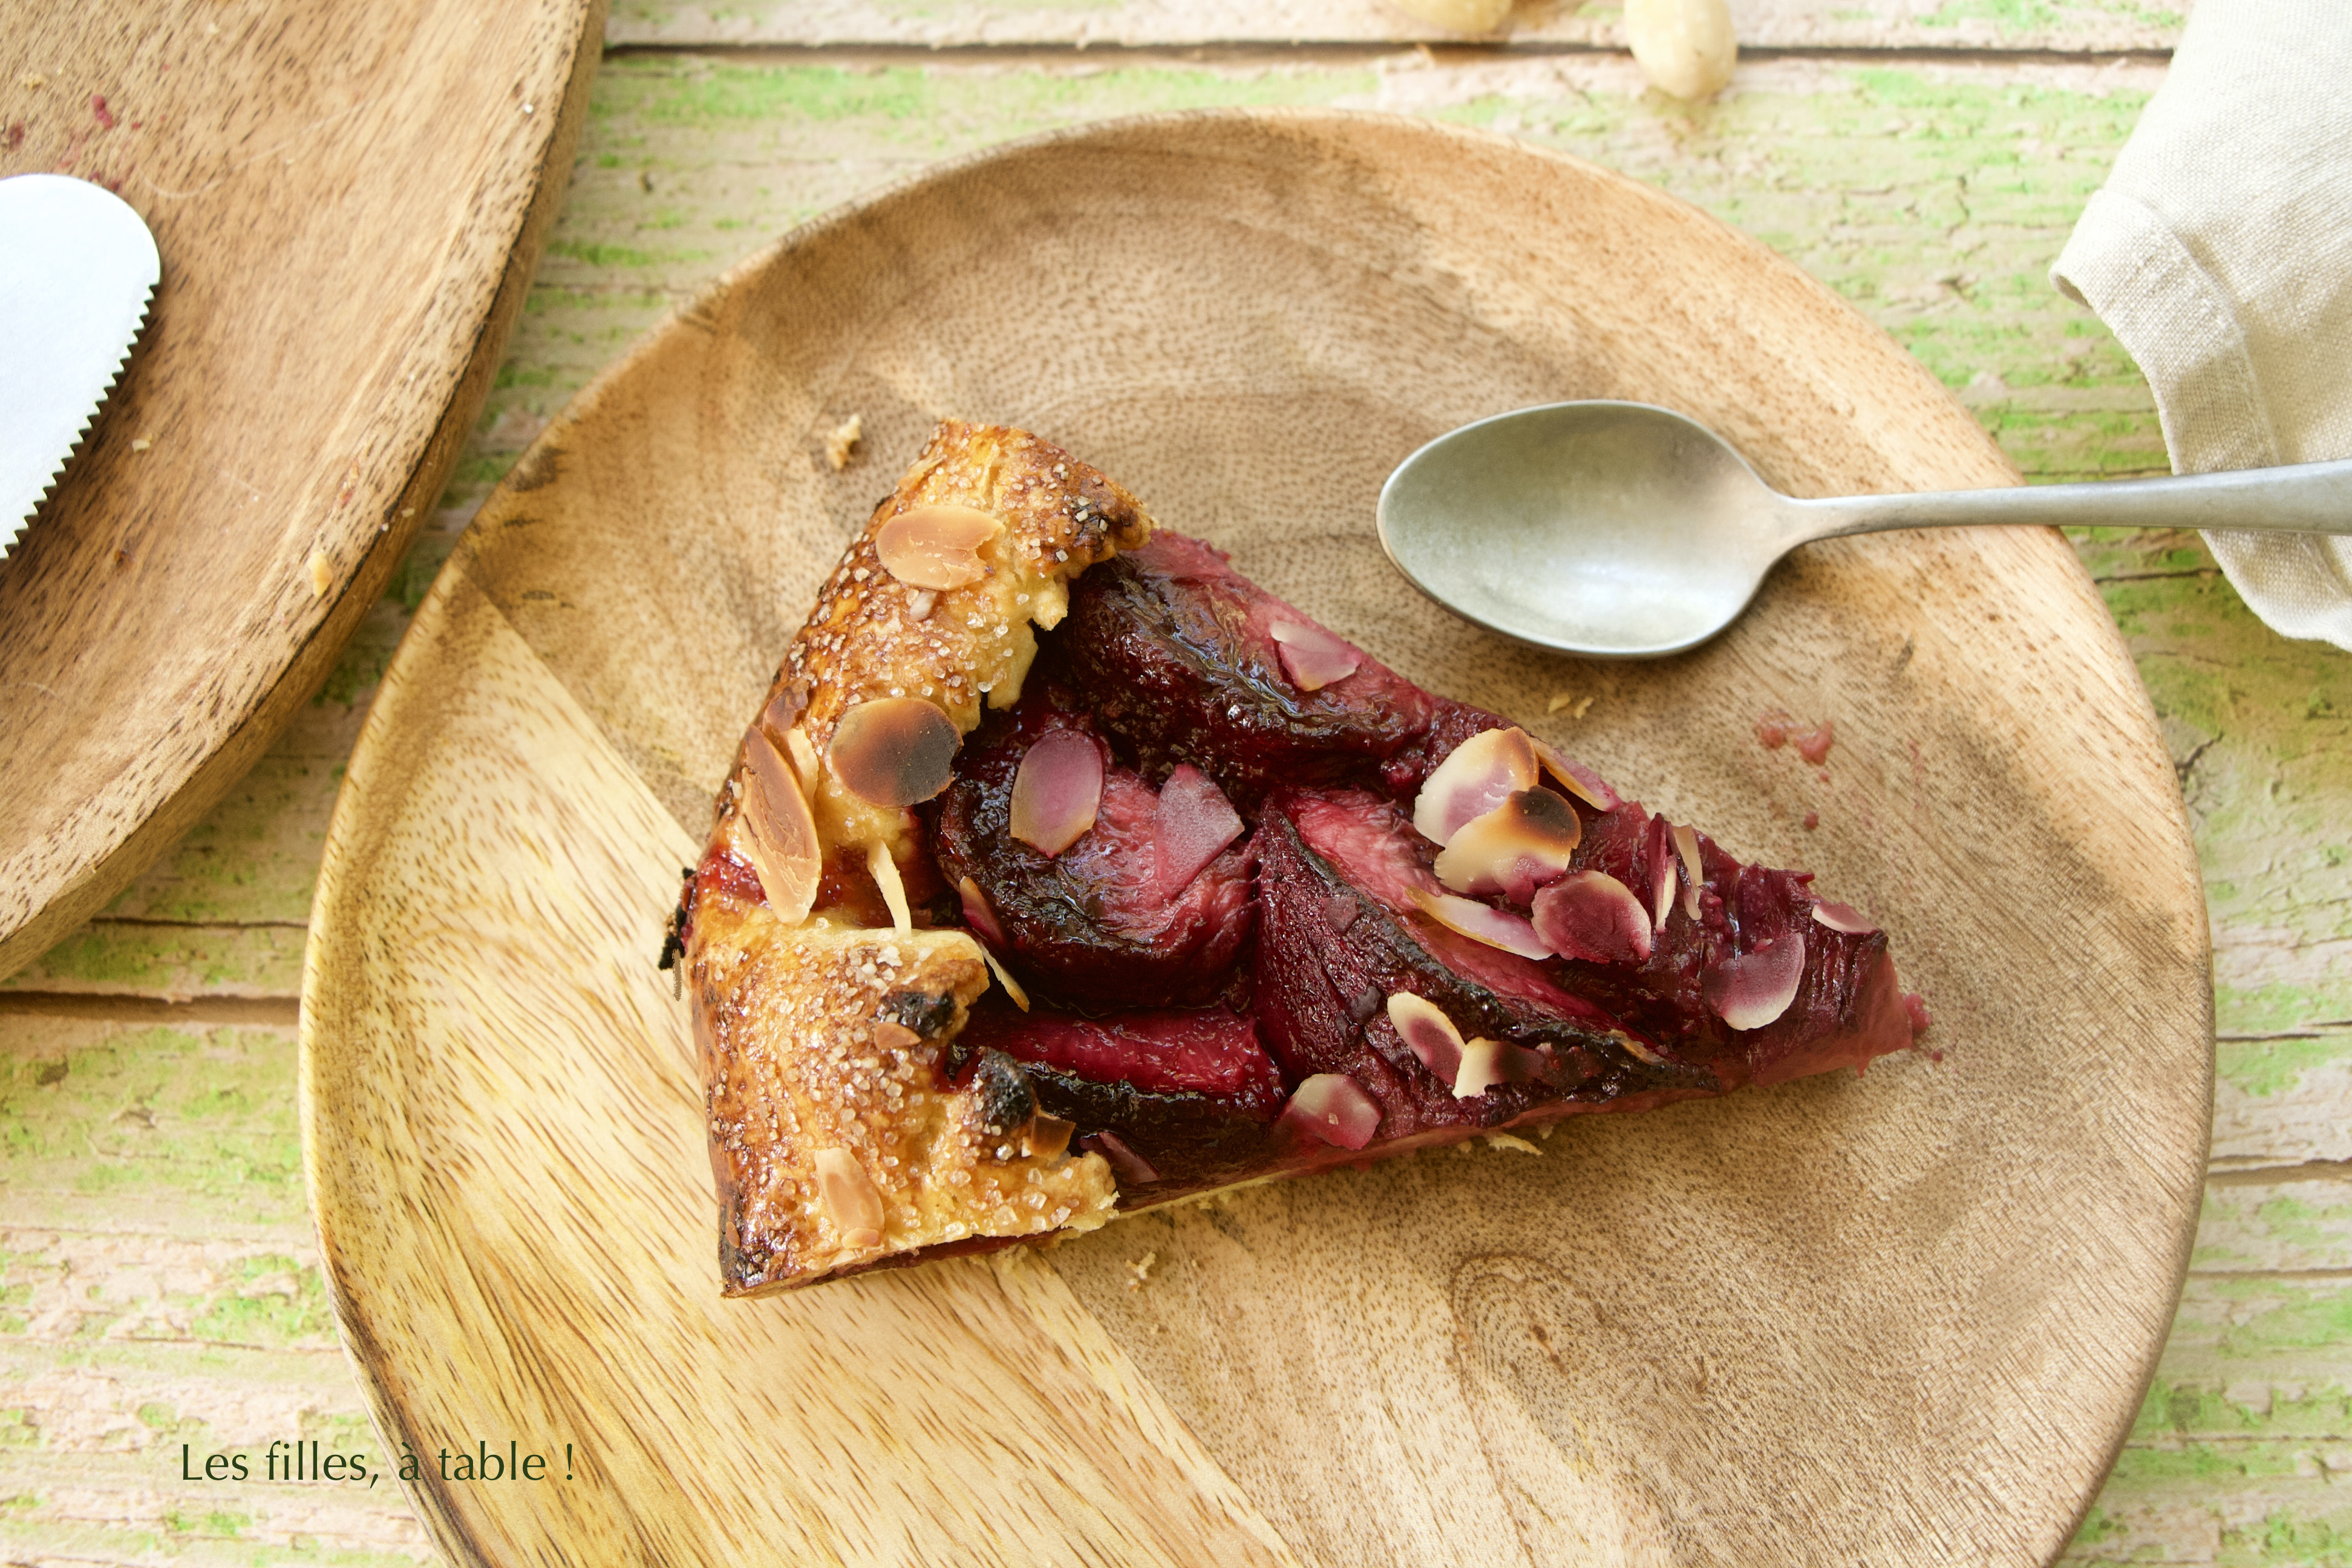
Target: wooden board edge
x,y
88,892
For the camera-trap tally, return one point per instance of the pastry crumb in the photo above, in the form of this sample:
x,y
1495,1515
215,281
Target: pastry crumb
x,y
840,443
1142,1268
1576,706
322,574
141,443
33,79
1511,1140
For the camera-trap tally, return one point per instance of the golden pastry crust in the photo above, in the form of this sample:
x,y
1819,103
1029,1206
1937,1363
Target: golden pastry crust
x,y
837,1139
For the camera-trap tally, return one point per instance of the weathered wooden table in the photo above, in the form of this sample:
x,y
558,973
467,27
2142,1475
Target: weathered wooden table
x,y
158,1284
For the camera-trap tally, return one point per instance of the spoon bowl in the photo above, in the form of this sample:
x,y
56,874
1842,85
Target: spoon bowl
x,y
1621,530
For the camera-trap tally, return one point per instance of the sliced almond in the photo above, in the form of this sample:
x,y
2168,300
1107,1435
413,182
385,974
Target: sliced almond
x,y
1428,1032
1514,849
800,752
1751,989
892,1036
1686,849
1844,917
978,915
1049,1137
1313,657
1593,916
1657,847
780,837
1004,978
1574,777
1333,1107
894,751
1132,1169
1480,922
1636,1048
850,1197
885,871
936,547
1476,777
1056,790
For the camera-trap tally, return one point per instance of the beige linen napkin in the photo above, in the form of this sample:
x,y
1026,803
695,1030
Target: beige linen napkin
x,y
2220,253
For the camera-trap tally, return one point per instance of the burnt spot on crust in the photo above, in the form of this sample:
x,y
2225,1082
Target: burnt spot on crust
x,y
673,946
1002,1100
925,1012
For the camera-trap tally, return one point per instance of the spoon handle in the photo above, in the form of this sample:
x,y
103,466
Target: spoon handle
x,y
2306,497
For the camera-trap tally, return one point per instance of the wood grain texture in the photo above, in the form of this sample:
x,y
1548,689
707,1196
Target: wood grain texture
x,y
2088,26
350,205
1903,1318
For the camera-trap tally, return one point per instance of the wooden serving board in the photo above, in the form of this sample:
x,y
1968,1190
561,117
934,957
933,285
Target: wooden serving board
x,y
1903,1318
350,201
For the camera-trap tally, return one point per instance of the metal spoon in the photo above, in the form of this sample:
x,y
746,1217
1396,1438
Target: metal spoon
x,y
1619,530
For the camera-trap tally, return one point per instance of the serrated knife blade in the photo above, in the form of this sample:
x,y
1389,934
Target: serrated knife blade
x,y
76,270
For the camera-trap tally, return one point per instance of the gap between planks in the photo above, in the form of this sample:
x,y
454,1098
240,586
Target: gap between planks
x,y
1245,54
251,1012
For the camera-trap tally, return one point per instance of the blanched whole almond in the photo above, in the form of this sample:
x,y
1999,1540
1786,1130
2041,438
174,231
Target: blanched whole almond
x,y
1476,777
850,1197
1333,1107
1685,47
1496,928
1593,916
894,751
936,547
1313,657
1513,849
1056,790
1428,1032
780,837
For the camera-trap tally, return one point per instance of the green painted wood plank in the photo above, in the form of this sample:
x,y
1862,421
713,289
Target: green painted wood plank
x,y
2097,26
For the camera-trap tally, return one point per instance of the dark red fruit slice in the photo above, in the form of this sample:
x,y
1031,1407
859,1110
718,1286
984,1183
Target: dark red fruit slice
x,y
1189,1093
1175,652
1095,924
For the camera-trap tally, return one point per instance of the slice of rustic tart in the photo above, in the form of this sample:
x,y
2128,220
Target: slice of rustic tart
x,y
1064,872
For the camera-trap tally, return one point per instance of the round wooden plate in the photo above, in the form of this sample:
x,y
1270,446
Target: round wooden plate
x,y
1902,1318
350,203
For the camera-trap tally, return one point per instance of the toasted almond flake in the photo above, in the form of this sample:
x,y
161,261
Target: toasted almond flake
x,y
1512,1141
977,914
1657,839
1577,780
1844,917
920,603
1333,1107
894,751
1686,851
936,547
1428,1032
1636,1049
1751,989
1131,1168
1004,978
1522,844
841,441
802,753
893,1036
894,891
1311,657
1593,916
1482,1067
1056,790
850,1197
780,837
1476,777
1496,928
1049,1137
